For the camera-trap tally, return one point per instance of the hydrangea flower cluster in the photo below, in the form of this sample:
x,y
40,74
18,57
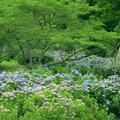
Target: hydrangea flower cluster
x,y
34,82
95,62
59,91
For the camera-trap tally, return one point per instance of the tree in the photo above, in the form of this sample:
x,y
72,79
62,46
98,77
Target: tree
x,y
33,28
110,13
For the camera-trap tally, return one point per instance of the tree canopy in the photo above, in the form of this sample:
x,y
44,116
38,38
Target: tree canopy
x,y
32,28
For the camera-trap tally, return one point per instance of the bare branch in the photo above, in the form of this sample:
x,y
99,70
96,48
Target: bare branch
x,y
66,59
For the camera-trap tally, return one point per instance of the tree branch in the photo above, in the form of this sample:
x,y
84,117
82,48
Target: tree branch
x,y
68,58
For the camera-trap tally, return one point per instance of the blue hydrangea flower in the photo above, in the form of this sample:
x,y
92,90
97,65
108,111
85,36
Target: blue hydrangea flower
x,y
103,85
87,82
3,75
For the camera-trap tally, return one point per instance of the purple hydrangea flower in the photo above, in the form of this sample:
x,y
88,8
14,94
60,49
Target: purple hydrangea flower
x,y
95,81
87,82
103,85
3,75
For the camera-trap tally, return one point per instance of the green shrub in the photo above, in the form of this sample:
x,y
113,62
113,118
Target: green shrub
x,y
11,65
114,106
38,107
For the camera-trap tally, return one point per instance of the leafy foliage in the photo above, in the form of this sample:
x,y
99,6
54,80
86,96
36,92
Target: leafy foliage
x,y
31,28
40,95
71,48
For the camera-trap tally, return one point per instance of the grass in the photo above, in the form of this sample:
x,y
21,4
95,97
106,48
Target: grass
x,y
11,65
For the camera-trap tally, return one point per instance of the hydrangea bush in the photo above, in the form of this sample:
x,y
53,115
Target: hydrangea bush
x,y
44,95
96,65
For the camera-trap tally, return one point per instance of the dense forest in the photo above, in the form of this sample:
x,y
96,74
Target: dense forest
x,y
59,59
